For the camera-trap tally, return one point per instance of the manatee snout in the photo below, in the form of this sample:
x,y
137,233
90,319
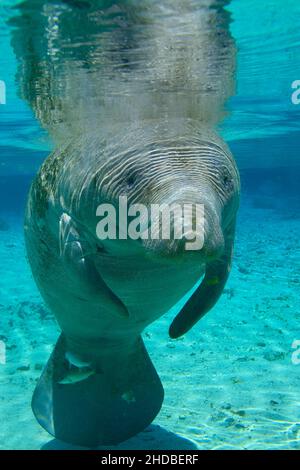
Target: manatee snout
x,y
195,191
190,224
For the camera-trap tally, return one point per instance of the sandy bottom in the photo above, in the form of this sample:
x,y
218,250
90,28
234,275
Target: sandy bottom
x,y
229,383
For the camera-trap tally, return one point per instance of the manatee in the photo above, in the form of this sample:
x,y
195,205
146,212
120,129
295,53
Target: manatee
x,y
136,121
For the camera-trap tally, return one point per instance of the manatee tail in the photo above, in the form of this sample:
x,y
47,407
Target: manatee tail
x,y
101,408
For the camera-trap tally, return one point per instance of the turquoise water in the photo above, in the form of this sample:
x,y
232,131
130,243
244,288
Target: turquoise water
x,y
230,382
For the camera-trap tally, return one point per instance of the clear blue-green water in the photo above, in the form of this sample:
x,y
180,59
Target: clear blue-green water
x,y
230,382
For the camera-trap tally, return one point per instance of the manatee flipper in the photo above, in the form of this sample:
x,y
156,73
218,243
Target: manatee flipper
x,y
75,252
107,407
73,249
208,293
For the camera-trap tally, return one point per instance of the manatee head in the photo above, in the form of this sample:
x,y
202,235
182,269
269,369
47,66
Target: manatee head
x,y
179,181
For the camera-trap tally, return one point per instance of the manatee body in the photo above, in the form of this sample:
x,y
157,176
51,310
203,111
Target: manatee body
x,y
131,109
104,293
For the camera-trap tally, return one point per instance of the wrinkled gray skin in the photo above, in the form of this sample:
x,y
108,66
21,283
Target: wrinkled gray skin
x,y
104,293
142,274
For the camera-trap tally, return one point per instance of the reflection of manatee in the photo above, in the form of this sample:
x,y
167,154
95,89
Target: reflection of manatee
x,y
152,143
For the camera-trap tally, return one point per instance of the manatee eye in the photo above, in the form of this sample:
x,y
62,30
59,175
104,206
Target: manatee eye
x,y
227,180
130,181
